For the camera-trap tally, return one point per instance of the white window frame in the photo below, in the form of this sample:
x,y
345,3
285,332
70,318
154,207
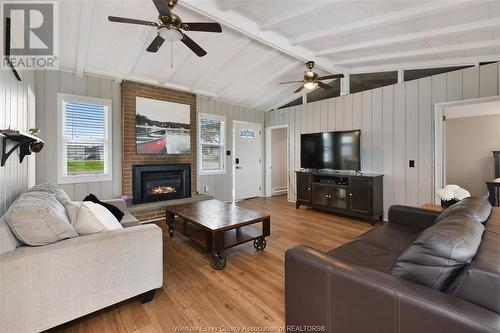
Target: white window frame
x,y
63,178
199,145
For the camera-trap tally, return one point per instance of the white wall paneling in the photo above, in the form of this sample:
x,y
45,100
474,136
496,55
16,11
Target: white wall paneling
x,y
397,125
49,83
16,113
221,185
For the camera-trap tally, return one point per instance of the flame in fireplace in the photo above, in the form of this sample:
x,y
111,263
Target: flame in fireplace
x,y
163,190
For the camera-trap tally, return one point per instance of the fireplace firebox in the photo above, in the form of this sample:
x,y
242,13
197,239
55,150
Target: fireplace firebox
x,y
160,182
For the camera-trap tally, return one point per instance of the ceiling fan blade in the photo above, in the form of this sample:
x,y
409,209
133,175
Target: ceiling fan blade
x,y
155,44
202,26
131,21
299,89
331,77
162,7
193,46
323,85
292,82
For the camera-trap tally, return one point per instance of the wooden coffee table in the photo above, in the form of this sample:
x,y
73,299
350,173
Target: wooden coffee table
x,y
217,226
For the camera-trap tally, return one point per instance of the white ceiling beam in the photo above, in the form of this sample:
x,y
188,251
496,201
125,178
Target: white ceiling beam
x,y
234,56
305,11
422,52
273,75
429,8
140,79
250,28
414,37
451,62
85,27
245,71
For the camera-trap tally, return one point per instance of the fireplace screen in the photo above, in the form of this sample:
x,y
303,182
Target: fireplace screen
x,y
160,185
161,182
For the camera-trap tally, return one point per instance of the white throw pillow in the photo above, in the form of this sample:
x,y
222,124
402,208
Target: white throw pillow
x,y
89,218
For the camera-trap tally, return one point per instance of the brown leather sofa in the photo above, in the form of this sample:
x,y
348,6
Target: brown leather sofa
x,y
419,272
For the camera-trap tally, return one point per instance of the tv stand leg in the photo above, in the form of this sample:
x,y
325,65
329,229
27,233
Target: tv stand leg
x,y
297,205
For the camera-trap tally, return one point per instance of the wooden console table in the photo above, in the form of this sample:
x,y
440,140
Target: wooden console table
x,y
353,195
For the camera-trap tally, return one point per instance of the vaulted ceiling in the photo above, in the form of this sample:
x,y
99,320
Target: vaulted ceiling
x,y
265,42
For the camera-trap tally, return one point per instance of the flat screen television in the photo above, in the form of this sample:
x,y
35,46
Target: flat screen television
x,y
331,150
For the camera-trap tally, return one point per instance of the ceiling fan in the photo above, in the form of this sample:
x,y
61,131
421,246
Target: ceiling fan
x,y
169,27
312,80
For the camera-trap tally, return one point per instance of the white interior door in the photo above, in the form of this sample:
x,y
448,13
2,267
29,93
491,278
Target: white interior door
x,y
247,160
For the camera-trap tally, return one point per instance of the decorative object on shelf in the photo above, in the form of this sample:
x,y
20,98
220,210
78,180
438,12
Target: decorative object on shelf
x,y
451,194
25,142
127,199
34,131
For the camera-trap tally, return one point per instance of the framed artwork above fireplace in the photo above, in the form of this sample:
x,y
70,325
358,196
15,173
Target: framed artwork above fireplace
x,y
162,128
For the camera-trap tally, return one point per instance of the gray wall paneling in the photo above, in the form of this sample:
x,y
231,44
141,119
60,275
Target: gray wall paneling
x,y
220,186
397,124
49,83
14,114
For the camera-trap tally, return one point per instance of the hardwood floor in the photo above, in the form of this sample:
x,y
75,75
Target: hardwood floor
x,y
248,292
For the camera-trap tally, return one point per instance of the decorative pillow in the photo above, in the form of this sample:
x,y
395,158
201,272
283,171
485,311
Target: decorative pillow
x,y
8,242
113,209
60,195
439,252
477,208
89,218
38,218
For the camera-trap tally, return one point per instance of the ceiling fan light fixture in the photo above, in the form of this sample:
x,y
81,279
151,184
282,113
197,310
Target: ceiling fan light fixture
x,y
310,85
170,35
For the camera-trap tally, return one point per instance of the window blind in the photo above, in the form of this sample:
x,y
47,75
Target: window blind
x,y
86,146
212,144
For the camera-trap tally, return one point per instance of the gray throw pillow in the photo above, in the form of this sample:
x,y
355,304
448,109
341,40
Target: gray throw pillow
x,y
38,218
58,192
8,242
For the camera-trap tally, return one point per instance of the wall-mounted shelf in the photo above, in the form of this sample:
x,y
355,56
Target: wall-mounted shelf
x,y
25,142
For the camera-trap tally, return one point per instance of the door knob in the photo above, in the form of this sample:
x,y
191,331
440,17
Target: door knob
x,y
238,167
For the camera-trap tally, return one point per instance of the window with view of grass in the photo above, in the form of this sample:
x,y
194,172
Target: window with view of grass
x,y
211,144
84,138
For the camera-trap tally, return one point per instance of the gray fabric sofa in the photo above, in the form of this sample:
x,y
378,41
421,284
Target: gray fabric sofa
x,y
43,287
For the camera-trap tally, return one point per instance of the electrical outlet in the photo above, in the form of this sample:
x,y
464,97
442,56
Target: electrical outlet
x,y
205,189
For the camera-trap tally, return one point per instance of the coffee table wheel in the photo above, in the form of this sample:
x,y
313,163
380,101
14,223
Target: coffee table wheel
x,y
218,261
171,232
259,244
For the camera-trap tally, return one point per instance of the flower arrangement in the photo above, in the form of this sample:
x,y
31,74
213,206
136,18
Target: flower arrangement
x,y
451,194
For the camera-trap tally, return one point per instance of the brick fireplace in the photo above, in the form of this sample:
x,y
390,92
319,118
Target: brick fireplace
x,y
130,157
